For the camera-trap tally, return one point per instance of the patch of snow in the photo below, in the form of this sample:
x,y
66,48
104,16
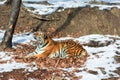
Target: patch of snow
x,y
63,38
4,56
2,2
23,38
115,1
7,67
94,37
11,64
110,1
10,79
1,34
102,7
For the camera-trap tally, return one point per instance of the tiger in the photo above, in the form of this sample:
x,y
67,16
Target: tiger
x,y
47,47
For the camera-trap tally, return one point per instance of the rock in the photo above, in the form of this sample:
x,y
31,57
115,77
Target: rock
x,y
93,72
117,58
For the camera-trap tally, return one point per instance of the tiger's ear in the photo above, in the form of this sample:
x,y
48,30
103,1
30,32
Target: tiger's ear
x,y
35,33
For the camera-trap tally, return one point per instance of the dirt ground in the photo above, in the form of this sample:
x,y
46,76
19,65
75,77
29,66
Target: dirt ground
x,y
71,22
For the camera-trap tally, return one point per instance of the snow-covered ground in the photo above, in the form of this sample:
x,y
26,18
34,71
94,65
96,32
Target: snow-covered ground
x,y
101,58
49,6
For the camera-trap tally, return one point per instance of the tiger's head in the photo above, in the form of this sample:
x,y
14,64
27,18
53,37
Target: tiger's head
x,y
42,37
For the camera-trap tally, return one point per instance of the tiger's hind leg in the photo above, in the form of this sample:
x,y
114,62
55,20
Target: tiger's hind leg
x,y
77,53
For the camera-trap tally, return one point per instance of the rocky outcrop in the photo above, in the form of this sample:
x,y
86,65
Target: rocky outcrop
x,y
75,21
87,21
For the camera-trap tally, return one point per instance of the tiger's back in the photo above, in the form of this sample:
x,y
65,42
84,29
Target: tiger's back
x,y
68,48
49,48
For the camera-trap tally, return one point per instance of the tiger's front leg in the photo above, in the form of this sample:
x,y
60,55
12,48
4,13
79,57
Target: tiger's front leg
x,y
37,55
42,55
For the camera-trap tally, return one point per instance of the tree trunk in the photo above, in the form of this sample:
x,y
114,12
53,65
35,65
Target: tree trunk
x,y
7,39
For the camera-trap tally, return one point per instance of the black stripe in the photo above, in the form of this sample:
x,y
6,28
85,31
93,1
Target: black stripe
x,y
35,52
45,44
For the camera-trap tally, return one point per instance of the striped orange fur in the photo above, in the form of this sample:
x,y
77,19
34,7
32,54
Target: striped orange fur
x,y
47,47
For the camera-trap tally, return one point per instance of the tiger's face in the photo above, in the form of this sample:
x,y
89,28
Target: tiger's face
x,y
41,37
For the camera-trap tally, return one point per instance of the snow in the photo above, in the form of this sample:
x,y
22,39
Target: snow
x,y
44,9
1,35
23,38
53,5
100,57
2,2
4,57
95,37
102,7
10,66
